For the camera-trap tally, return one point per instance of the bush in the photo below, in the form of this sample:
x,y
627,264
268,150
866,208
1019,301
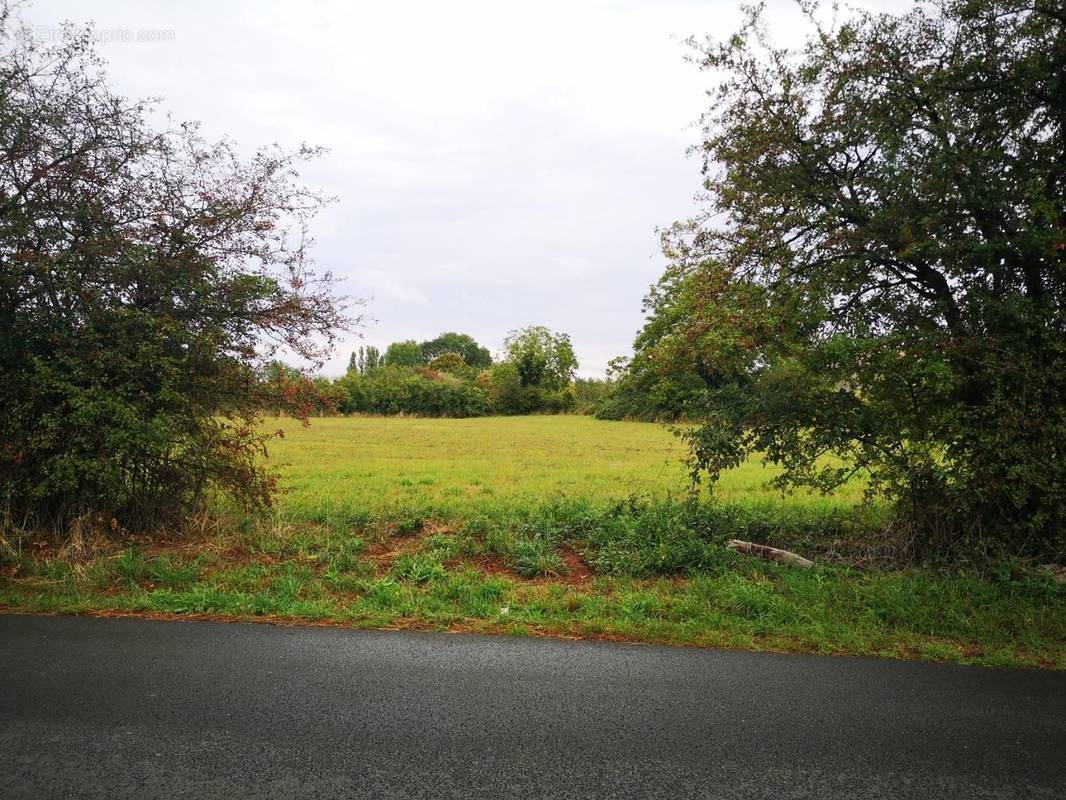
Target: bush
x,y
451,363
507,395
503,388
144,274
590,393
642,392
411,390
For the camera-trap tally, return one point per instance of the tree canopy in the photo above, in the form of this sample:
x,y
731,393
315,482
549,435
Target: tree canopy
x,y
146,276
877,272
471,352
541,357
407,353
364,359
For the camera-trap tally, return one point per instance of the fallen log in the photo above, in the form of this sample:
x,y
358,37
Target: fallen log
x,y
769,553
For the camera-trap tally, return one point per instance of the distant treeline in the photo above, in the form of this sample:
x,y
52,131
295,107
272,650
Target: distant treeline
x,y
451,376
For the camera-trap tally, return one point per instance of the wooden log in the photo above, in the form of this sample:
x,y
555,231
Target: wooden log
x,y
769,553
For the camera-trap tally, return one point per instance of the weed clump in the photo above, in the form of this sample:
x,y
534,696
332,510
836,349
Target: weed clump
x,y
419,567
533,557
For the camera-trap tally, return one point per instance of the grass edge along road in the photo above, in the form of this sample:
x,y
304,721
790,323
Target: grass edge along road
x,y
435,551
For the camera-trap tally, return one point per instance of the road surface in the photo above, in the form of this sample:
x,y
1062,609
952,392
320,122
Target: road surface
x,y
123,708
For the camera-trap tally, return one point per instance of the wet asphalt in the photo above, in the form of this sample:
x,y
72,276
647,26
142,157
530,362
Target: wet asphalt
x,y
127,708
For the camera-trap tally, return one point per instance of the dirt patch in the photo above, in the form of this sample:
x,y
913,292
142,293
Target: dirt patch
x,y
82,549
241,556
431,528
490,565
483,627
1057,572
577,570
383,553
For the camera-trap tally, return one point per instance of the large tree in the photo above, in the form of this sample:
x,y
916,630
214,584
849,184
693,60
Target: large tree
x,y
407,353
146,277
542,358
471,352
879,272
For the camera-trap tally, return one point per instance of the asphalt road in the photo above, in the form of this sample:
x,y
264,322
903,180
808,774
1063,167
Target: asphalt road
x,y
139,709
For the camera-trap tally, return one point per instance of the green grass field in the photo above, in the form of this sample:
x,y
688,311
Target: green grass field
x,y
548,526
452,469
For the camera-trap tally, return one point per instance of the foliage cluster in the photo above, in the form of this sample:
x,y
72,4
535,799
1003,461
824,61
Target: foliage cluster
x,y
453,376
410,390
145,277
541,358
410,353
879,271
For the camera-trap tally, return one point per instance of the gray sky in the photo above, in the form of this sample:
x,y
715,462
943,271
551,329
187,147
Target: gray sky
x,y
496,164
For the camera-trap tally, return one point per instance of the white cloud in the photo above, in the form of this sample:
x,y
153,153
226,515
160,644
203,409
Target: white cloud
x,y
496,164
378,284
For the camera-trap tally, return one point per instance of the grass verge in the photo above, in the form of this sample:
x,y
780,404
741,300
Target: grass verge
x,y
651,571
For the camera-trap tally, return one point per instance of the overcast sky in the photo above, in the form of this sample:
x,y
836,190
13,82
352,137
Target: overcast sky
x,y
495,164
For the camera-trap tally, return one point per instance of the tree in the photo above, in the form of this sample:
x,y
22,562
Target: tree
x,y
364,359
410,390
145,279
403,354
541,357
656,383
879,272
472,353
450,362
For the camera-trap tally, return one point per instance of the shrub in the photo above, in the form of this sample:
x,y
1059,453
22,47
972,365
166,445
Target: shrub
x,y
147,276
452,363
411,390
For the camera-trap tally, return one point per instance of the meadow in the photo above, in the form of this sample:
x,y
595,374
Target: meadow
x,y
455,469
549,525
